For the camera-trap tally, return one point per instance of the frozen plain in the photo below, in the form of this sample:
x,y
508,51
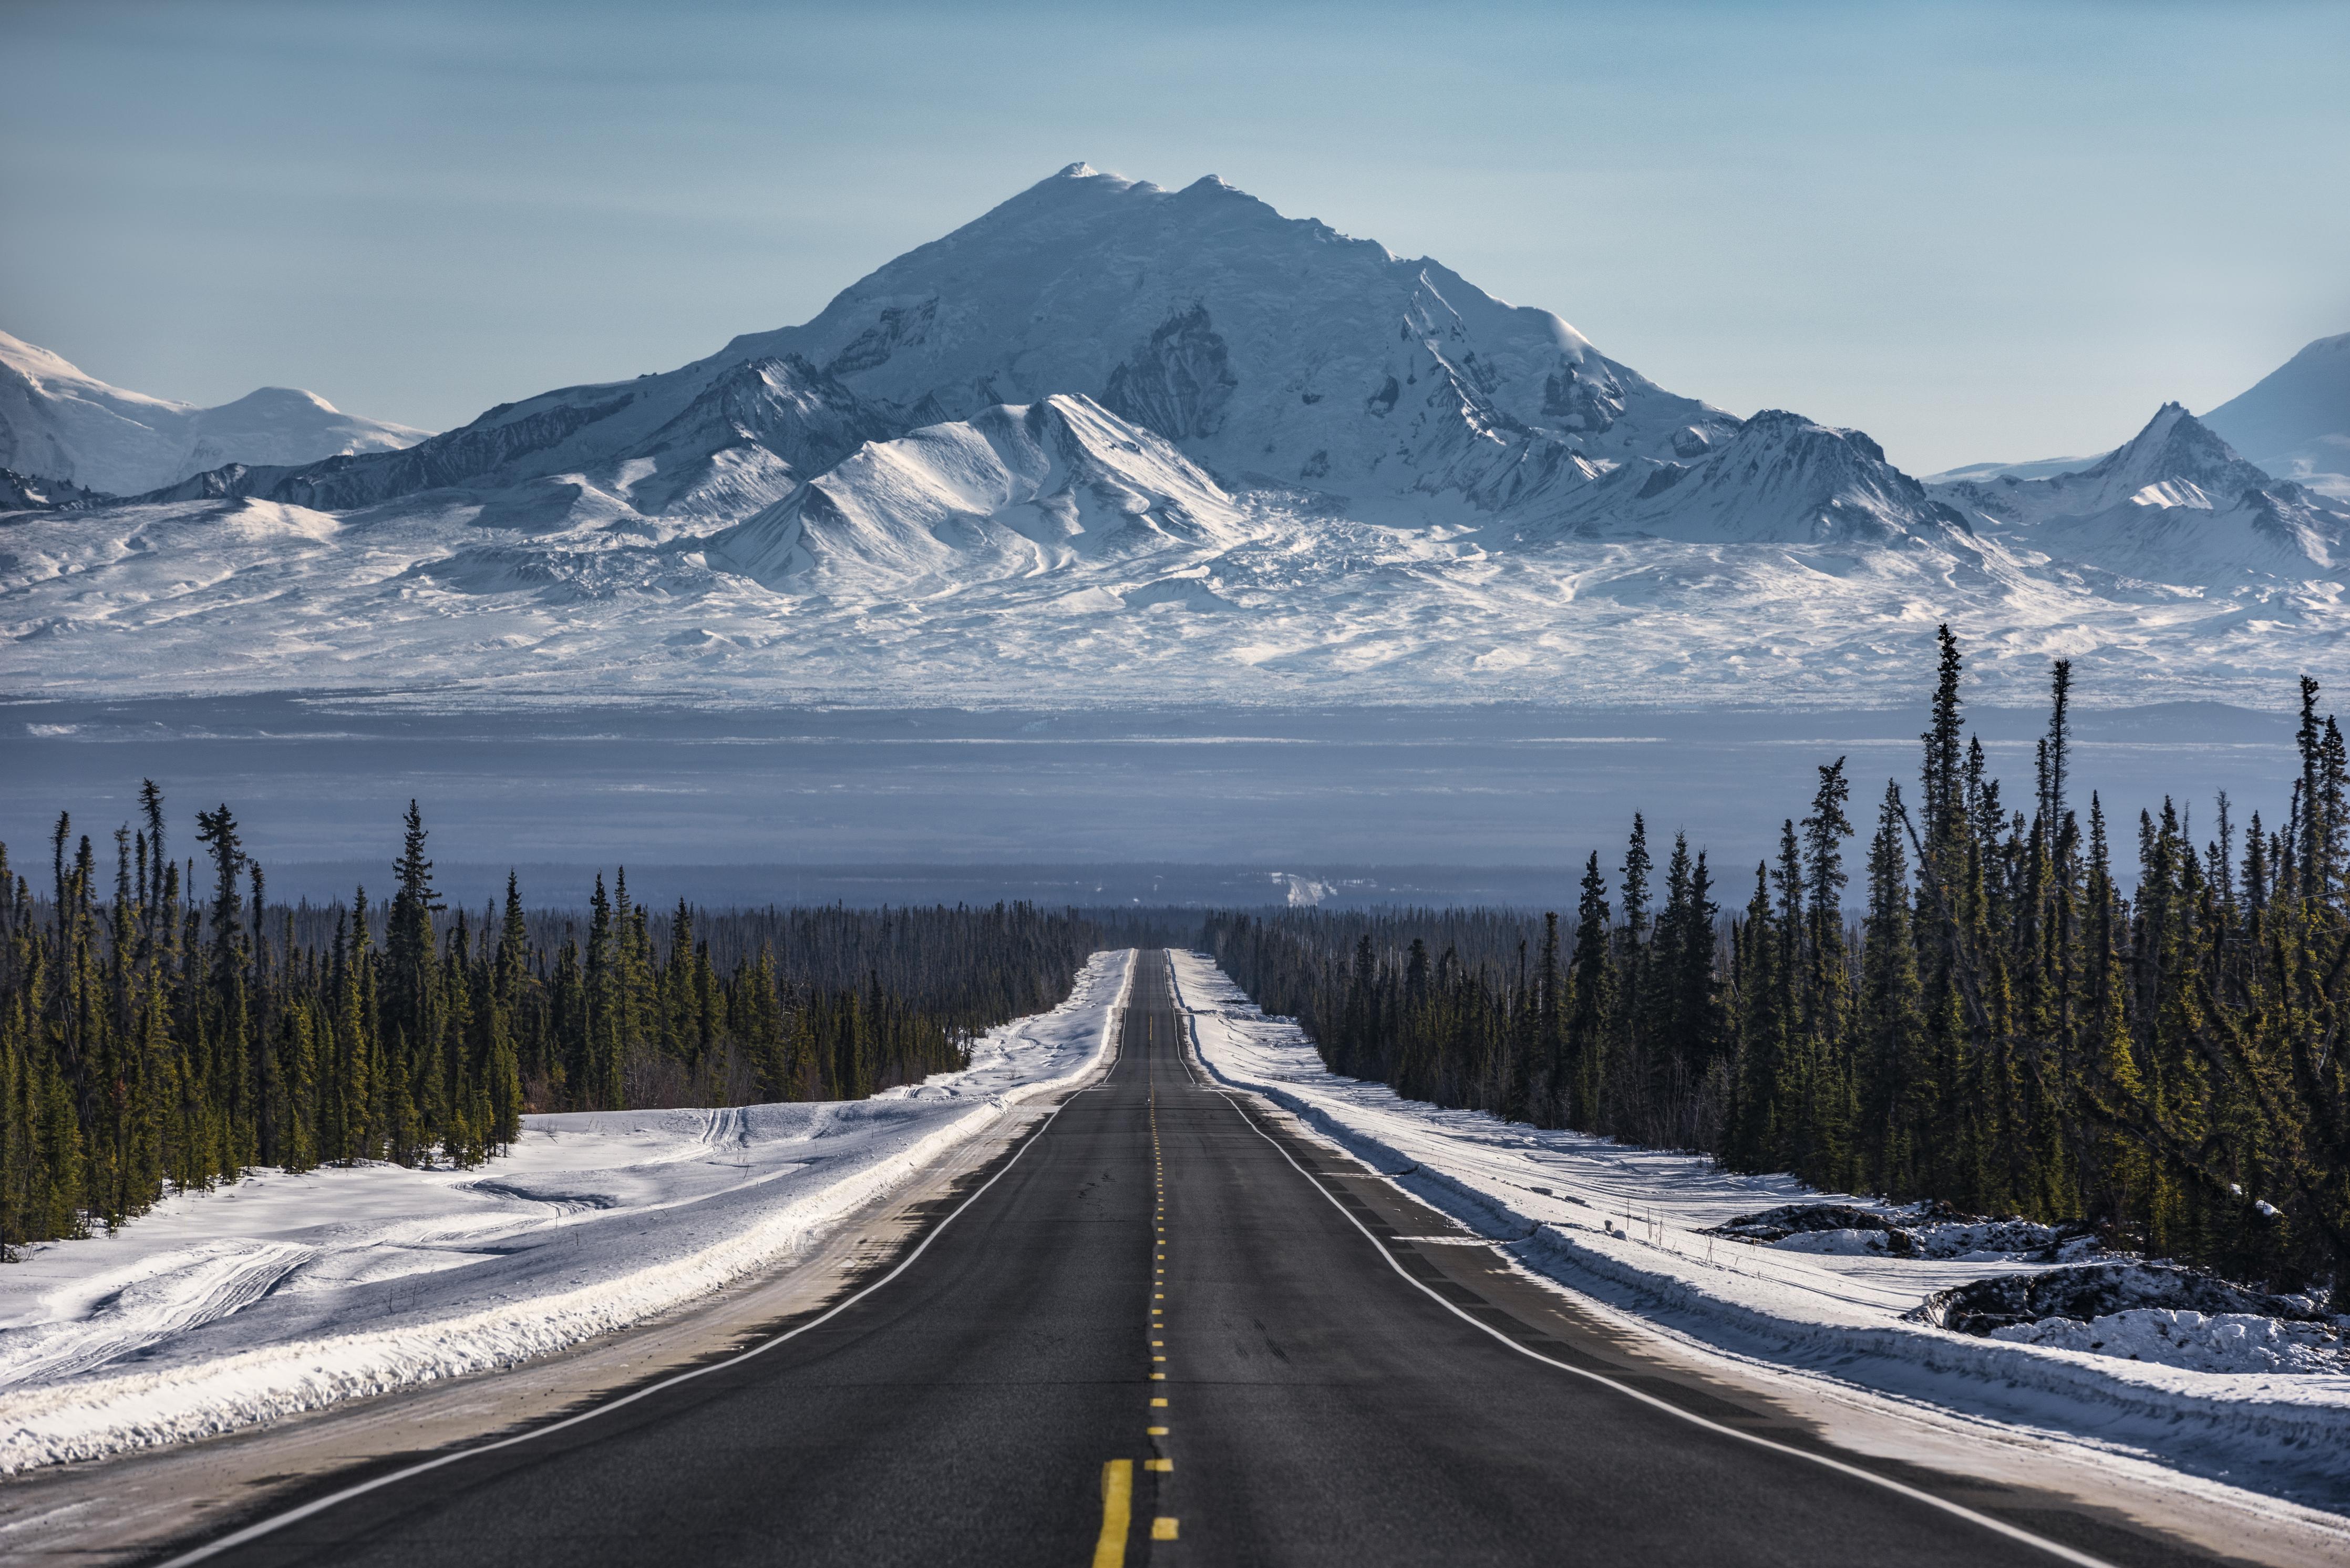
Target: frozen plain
x,y
282,1294
1172,803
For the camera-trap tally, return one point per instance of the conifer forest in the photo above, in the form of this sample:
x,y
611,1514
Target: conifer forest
x,y
1992,1022
2000,1015
176,1029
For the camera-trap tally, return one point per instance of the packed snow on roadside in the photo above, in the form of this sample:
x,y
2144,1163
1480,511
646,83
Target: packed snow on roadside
x,y
280,1293
1818,1283
2208,1342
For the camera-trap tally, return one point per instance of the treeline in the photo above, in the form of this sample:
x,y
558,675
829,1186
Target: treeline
x,y
2001,1028
178,1029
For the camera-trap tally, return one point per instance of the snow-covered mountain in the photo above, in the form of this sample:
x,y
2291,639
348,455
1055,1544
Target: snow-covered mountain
x,y
1272,351
1777,478
1276,351
58,423
1010,492
2295,421
2175,503
1114,442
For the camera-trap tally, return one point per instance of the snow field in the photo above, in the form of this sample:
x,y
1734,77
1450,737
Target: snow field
x,y
1625,1227
284,1293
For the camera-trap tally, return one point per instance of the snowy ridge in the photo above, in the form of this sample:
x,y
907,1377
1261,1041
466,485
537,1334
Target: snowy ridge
x,y
1274,349
1778,478
2173,503
243,1305
1010,491
1626,1225
1302,605
60,424
1108,433
2295,421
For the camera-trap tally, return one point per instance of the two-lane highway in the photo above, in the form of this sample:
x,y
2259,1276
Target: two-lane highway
x,y
1168,1330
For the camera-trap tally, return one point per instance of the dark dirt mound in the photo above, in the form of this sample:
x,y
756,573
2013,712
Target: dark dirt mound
x,y
1796,1218
2093,1290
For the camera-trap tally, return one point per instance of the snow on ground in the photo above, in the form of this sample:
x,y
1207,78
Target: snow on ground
x,y
281,1294
1276,605
1627,1227
2208,1342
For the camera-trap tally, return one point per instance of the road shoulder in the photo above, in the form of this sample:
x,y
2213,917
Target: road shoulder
x,y
128,1507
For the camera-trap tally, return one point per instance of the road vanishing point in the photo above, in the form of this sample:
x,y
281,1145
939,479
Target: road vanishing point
x,y
1166,1328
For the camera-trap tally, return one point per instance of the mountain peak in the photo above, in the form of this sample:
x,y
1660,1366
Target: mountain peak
x,y
2295,421
1271,349
2174,444
62,424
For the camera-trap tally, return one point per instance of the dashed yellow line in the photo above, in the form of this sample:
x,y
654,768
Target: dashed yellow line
x,y
1163,1527
1118,1514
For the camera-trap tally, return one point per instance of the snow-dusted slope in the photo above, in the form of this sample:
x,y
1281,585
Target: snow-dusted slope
x,y
2176,504
1271,601
1778,478
2295,421
1109,442
58,423
1273,351
1010,492
285,1292
711,443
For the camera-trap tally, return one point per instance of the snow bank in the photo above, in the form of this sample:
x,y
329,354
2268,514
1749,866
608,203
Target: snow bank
x,y
1629,1226
2218,1342
282,1294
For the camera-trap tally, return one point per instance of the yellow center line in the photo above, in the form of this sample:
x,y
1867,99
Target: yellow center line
x,y
1117,1513
1163,1527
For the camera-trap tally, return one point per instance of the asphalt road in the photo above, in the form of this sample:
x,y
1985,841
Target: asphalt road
x,y
1004,1400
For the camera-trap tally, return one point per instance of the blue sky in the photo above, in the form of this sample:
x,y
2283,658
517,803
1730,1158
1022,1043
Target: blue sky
x,y
1976,231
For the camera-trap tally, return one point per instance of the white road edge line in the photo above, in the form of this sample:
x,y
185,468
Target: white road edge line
x,y
1998,1526
255,1532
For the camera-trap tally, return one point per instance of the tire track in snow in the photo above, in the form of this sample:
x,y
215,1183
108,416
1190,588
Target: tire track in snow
x,y
213,1283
